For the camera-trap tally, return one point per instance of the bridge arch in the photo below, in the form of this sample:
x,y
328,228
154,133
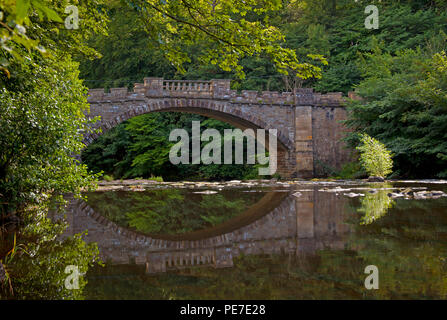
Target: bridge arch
x,y
208,108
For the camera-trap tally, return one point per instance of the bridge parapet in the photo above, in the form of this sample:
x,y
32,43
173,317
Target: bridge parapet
x,y
157,87
216,89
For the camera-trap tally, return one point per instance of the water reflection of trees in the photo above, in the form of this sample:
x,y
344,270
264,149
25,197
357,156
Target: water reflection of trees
x,y
37,269
407,245
375,205
170,211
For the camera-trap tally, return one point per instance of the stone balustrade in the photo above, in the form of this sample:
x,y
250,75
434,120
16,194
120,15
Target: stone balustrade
x,y
216,89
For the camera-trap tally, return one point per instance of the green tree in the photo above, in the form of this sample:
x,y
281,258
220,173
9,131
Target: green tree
x,y
127,53
222,33
375,157
41,127
403,25
404,106
42,102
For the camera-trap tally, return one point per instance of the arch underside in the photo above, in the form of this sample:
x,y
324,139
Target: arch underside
x,y
237,118
230,119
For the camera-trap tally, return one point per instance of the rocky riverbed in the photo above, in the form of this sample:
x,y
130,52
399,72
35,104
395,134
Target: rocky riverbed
x,y
348,188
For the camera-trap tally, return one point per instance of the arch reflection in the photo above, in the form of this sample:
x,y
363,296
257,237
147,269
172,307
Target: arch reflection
x,y
279,223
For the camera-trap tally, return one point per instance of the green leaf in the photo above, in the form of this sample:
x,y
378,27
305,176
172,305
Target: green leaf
x,y
22,8
50,13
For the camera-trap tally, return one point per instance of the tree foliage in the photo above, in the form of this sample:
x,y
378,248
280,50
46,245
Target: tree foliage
x,y
40,129
42,104
375,157
35,26
197,40
404,106
227,31
312,29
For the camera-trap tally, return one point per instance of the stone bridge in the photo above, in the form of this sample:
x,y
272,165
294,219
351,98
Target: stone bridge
x,y
307,123
305,224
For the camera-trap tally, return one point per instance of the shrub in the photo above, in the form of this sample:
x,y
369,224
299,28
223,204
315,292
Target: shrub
x,y
374,156
107,178
158,179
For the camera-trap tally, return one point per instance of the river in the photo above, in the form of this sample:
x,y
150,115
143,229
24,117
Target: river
x,y
266,240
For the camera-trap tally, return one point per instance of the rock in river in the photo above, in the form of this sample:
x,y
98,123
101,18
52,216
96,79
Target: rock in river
x,y
206,192
353,195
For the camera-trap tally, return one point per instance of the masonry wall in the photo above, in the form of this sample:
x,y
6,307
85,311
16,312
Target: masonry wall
x,y
330,152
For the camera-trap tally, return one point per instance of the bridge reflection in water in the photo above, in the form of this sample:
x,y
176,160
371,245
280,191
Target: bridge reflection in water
x,y
280,223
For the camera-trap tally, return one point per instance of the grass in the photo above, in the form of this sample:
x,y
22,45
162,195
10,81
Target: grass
x,y
6,261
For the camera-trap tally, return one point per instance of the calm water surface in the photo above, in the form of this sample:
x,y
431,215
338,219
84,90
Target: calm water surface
x,y
307,241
